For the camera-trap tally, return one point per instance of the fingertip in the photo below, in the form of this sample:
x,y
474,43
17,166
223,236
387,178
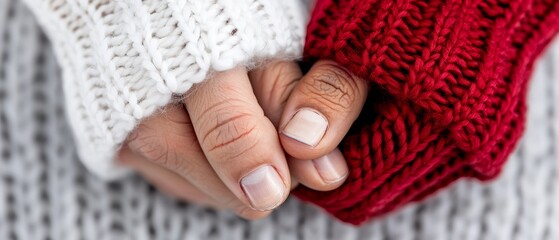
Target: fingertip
x,y
332,167
322,174
240,143
306,126
321,110
264,188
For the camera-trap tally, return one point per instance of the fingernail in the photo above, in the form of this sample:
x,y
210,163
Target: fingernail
x,y
307,126
332,167
264,188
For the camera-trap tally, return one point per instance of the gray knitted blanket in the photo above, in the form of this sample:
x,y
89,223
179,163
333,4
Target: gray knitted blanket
x,y
45,193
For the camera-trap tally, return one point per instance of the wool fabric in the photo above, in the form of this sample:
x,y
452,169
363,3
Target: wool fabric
x,y
124,60
45,193
448,81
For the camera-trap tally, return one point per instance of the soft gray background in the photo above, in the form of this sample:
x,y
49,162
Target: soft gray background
x,y
46,194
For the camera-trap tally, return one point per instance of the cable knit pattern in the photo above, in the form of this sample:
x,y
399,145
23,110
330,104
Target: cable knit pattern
x,y
46,194
447,98
123,60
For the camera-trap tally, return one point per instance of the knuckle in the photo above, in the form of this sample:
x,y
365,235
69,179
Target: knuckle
x,y
177,163
284,75
332,86
273,86
154,148
232,133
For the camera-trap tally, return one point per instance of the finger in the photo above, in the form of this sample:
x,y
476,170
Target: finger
x,y
240,143
325,173
321,110
272,86
168,140
166,180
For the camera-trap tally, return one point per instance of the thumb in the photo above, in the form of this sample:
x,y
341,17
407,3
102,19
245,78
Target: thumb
x,y
280,86
320,110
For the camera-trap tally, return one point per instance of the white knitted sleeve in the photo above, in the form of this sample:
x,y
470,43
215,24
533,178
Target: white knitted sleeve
x,y
124,59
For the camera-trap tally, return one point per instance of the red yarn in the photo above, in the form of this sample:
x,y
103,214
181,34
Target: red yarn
x,y
448,92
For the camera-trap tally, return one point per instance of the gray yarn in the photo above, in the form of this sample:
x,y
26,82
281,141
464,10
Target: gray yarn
x,y
45,193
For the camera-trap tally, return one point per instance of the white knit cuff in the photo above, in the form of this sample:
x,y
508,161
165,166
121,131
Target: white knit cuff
x,y
124,59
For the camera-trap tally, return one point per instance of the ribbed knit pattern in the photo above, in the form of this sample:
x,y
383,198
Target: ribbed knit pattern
x,y
45,193
447,97
125,59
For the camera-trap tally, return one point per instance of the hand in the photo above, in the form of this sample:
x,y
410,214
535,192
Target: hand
x,y
222,149
313,113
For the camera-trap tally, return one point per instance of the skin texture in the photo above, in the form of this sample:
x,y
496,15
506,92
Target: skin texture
x,y
229,128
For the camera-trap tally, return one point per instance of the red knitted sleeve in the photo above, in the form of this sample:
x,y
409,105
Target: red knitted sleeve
x,y
448,83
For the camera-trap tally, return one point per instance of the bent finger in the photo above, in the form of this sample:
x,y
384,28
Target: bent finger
x,y
240,143
168,140
273,85
166,180
321,110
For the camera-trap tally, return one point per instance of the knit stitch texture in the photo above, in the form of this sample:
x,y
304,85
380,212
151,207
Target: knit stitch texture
x,y
447,97
45,193
123,60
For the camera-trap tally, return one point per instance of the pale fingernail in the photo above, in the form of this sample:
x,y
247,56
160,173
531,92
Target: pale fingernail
x,y
332,167
307,126
264,188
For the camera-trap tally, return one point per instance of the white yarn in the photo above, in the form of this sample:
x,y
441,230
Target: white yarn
x,y
46,194
123,60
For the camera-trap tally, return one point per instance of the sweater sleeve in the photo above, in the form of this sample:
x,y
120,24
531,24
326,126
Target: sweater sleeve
x,y
447,92
124,59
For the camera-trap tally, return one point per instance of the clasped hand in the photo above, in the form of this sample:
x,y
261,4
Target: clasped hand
x,y
243,139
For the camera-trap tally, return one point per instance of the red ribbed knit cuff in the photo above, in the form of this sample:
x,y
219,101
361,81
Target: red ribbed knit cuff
x,y
447,99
